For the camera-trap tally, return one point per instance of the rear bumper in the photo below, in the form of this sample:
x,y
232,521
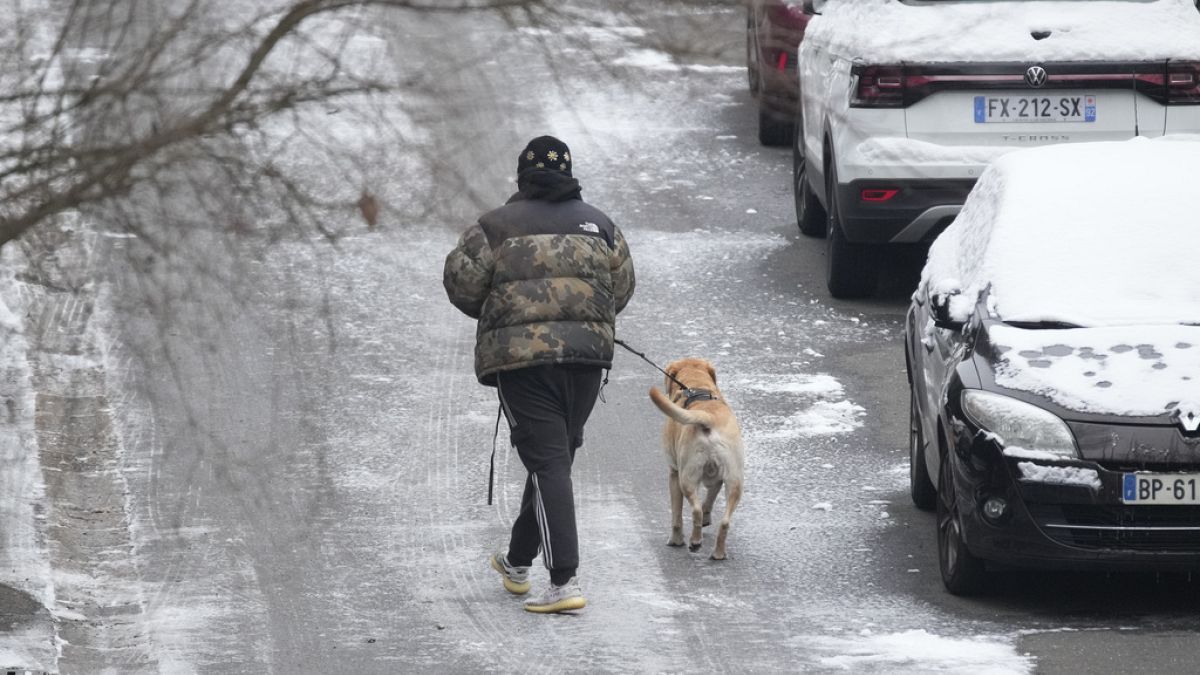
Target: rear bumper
x,y
918,212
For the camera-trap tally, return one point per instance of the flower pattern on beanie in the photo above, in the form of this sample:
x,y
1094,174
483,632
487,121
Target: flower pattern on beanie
x,y
545,153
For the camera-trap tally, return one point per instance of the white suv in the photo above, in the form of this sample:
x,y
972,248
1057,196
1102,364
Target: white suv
x,y
905,102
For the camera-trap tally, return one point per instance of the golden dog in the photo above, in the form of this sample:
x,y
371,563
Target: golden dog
x,y
704,447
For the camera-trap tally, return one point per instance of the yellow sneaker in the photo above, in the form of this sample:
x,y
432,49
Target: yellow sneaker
x,y
516,579
555,599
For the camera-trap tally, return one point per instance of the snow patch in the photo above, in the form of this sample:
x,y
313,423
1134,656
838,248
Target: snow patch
x,y
653,59
595,33
1025,453
828,412
823,418
62,613
921,651
14,659
820,384
1059,475
24,565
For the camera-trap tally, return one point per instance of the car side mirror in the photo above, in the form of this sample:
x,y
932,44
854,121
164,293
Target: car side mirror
x,y
810,7
940,303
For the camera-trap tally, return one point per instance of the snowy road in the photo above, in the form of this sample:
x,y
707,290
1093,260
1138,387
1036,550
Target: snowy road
x,y
295,464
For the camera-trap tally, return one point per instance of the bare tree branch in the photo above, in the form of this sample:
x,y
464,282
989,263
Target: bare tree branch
x,y
83,140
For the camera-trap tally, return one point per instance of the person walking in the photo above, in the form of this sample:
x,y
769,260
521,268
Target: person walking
x,y
545,276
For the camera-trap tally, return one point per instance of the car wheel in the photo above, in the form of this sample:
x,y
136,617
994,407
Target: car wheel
x,y
850,270
810,215
962,572
751,52
773,130
920,485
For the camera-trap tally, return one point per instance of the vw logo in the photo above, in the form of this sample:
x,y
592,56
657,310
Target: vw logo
x,y
1035,76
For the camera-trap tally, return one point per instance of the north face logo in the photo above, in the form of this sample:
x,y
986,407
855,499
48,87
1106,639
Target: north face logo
x,y
590,227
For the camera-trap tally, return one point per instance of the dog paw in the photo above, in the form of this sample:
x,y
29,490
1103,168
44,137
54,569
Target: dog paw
x,y
707,520
714,556
693,547
676,544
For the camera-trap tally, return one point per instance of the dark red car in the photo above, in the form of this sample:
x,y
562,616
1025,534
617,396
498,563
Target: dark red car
x,y
773,31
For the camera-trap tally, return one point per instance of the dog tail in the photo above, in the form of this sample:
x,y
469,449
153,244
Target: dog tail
x,y
679,414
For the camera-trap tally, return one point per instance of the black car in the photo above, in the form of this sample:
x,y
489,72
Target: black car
x,y
1053,355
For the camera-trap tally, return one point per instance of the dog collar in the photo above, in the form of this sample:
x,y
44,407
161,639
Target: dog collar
x,y
693,395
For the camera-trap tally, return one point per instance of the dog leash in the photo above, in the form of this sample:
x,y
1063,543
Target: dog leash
x,y
492,463
691,394
643,357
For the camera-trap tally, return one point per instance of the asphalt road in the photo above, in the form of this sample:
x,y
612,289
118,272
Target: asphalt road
x,y
297,448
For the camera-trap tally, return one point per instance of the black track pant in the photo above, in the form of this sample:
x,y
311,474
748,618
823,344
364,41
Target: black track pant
x,y
546,408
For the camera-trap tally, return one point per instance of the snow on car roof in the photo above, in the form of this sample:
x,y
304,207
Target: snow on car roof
x,y
929,31
1092,234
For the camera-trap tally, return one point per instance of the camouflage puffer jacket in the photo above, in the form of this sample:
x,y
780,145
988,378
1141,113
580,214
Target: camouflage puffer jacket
x,y
545,280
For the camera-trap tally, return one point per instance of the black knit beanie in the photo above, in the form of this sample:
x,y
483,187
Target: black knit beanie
x,y
545,152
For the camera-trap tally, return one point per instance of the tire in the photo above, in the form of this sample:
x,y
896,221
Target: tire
x,y
920,485
962,572
810,215
850,269
773,131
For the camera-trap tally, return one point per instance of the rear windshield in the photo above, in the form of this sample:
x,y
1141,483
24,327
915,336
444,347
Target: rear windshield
x,y
955,2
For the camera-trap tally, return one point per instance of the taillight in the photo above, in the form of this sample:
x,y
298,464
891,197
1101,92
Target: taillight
x,y
1183,83
1178,83
781,59
878,194
878,87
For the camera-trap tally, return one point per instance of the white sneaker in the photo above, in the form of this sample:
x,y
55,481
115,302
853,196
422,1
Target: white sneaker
x,y
516,579
558,599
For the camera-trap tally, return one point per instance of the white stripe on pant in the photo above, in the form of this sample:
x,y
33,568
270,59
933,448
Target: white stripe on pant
x,y
539,506
540,512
